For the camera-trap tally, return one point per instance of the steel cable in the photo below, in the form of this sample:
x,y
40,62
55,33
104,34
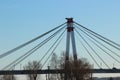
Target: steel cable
x,y
100,37
19,47
99,43
52,51
92,49
89,54
51,47
21,58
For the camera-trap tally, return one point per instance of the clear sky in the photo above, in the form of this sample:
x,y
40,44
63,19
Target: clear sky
x,y
22,20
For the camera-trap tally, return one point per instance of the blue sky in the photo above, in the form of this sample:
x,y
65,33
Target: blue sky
x,y
20,17
22,20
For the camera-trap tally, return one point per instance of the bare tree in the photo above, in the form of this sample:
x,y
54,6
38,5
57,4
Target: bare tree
x,y
34,65
74,70
77,70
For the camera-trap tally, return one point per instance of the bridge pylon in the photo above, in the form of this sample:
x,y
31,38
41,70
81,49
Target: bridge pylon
x,y
70,35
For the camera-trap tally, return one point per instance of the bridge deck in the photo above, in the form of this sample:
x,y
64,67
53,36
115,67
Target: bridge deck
x,y
53,71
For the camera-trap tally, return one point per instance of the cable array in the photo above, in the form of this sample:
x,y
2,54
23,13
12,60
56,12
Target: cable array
x,y
27,54
94,40
104,38
92,49
90,54
58,40
85,36
25,44
98,41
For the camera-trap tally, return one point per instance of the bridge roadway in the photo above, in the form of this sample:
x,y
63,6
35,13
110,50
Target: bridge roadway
x,y
52,71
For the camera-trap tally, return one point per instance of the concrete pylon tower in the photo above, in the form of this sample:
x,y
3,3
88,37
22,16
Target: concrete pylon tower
x,y
70,35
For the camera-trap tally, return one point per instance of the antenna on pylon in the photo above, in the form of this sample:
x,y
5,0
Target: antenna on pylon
x,y
70,34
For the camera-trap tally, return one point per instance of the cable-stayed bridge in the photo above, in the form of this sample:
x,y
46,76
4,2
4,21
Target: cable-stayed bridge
x,y
88,42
